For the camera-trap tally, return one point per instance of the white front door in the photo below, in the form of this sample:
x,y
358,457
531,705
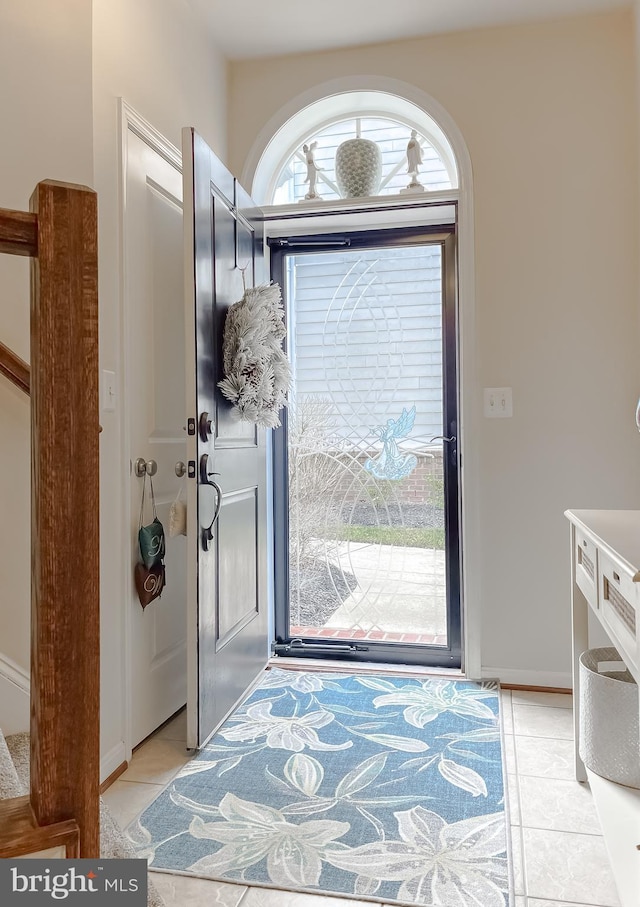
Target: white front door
x,y
154,397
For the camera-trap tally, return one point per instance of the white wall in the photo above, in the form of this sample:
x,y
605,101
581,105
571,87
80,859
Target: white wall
x,y
45,133
548,114
155,55
636,22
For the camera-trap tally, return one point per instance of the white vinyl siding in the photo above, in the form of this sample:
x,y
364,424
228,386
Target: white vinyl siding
x,y
366,329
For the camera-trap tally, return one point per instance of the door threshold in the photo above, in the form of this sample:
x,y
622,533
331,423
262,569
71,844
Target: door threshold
x,y
339,666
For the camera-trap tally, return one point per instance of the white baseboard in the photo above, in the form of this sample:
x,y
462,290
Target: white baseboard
x,y
14,697
530,678
112,760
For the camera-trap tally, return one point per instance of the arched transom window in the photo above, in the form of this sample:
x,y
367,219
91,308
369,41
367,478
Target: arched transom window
x,y
388,120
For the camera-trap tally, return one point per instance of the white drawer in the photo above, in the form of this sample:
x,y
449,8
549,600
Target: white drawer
x,y
619,606
587,568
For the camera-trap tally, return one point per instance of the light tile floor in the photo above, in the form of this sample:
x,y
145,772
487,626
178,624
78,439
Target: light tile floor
x,y
559,855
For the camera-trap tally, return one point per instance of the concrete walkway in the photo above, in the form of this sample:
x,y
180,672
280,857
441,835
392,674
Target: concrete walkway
x,y
400,590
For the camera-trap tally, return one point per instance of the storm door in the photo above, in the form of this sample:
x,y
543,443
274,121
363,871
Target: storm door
x,y
367,563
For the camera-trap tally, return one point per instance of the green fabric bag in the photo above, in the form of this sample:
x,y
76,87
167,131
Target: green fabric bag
x,y
150,537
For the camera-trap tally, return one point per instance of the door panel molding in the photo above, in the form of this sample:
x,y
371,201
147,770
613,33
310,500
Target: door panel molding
x,y
236,586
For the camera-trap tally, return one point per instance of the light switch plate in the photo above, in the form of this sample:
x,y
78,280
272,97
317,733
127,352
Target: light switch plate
x,y
498,403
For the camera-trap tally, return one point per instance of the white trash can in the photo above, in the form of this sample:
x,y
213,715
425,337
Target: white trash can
x,y
609,719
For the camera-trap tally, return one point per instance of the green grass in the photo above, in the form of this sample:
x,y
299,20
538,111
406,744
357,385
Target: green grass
x,y
391,535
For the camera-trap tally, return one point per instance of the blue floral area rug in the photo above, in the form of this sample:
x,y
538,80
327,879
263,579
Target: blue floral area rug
x,y
375,787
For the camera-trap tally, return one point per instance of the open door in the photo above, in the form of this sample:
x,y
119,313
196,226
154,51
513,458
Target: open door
x,y
227,502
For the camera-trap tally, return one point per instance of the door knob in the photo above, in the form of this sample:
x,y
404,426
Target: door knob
x,y
442,438
142,466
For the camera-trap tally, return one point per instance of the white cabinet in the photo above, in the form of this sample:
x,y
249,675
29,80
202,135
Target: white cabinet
x,y
605,573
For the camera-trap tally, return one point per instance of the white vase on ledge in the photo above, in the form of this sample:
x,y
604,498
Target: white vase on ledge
x,y
358,168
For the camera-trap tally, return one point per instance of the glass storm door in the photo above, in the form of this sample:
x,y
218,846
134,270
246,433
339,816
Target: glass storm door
x,y
366,464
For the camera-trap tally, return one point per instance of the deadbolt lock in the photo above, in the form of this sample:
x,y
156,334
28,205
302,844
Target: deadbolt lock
x,y
204,427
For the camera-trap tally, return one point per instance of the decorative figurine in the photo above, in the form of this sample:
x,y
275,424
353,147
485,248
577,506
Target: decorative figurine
x,y
312,169
414,159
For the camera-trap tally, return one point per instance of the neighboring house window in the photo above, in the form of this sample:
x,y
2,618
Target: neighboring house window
x,y
281,173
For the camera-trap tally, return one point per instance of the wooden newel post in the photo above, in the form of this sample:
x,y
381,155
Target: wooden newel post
x,y
65,619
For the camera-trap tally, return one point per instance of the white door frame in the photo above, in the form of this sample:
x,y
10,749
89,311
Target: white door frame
x,y
129,120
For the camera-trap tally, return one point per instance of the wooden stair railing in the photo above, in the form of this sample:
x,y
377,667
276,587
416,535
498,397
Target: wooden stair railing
x,y
20,833
18,233
60,234
14,368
